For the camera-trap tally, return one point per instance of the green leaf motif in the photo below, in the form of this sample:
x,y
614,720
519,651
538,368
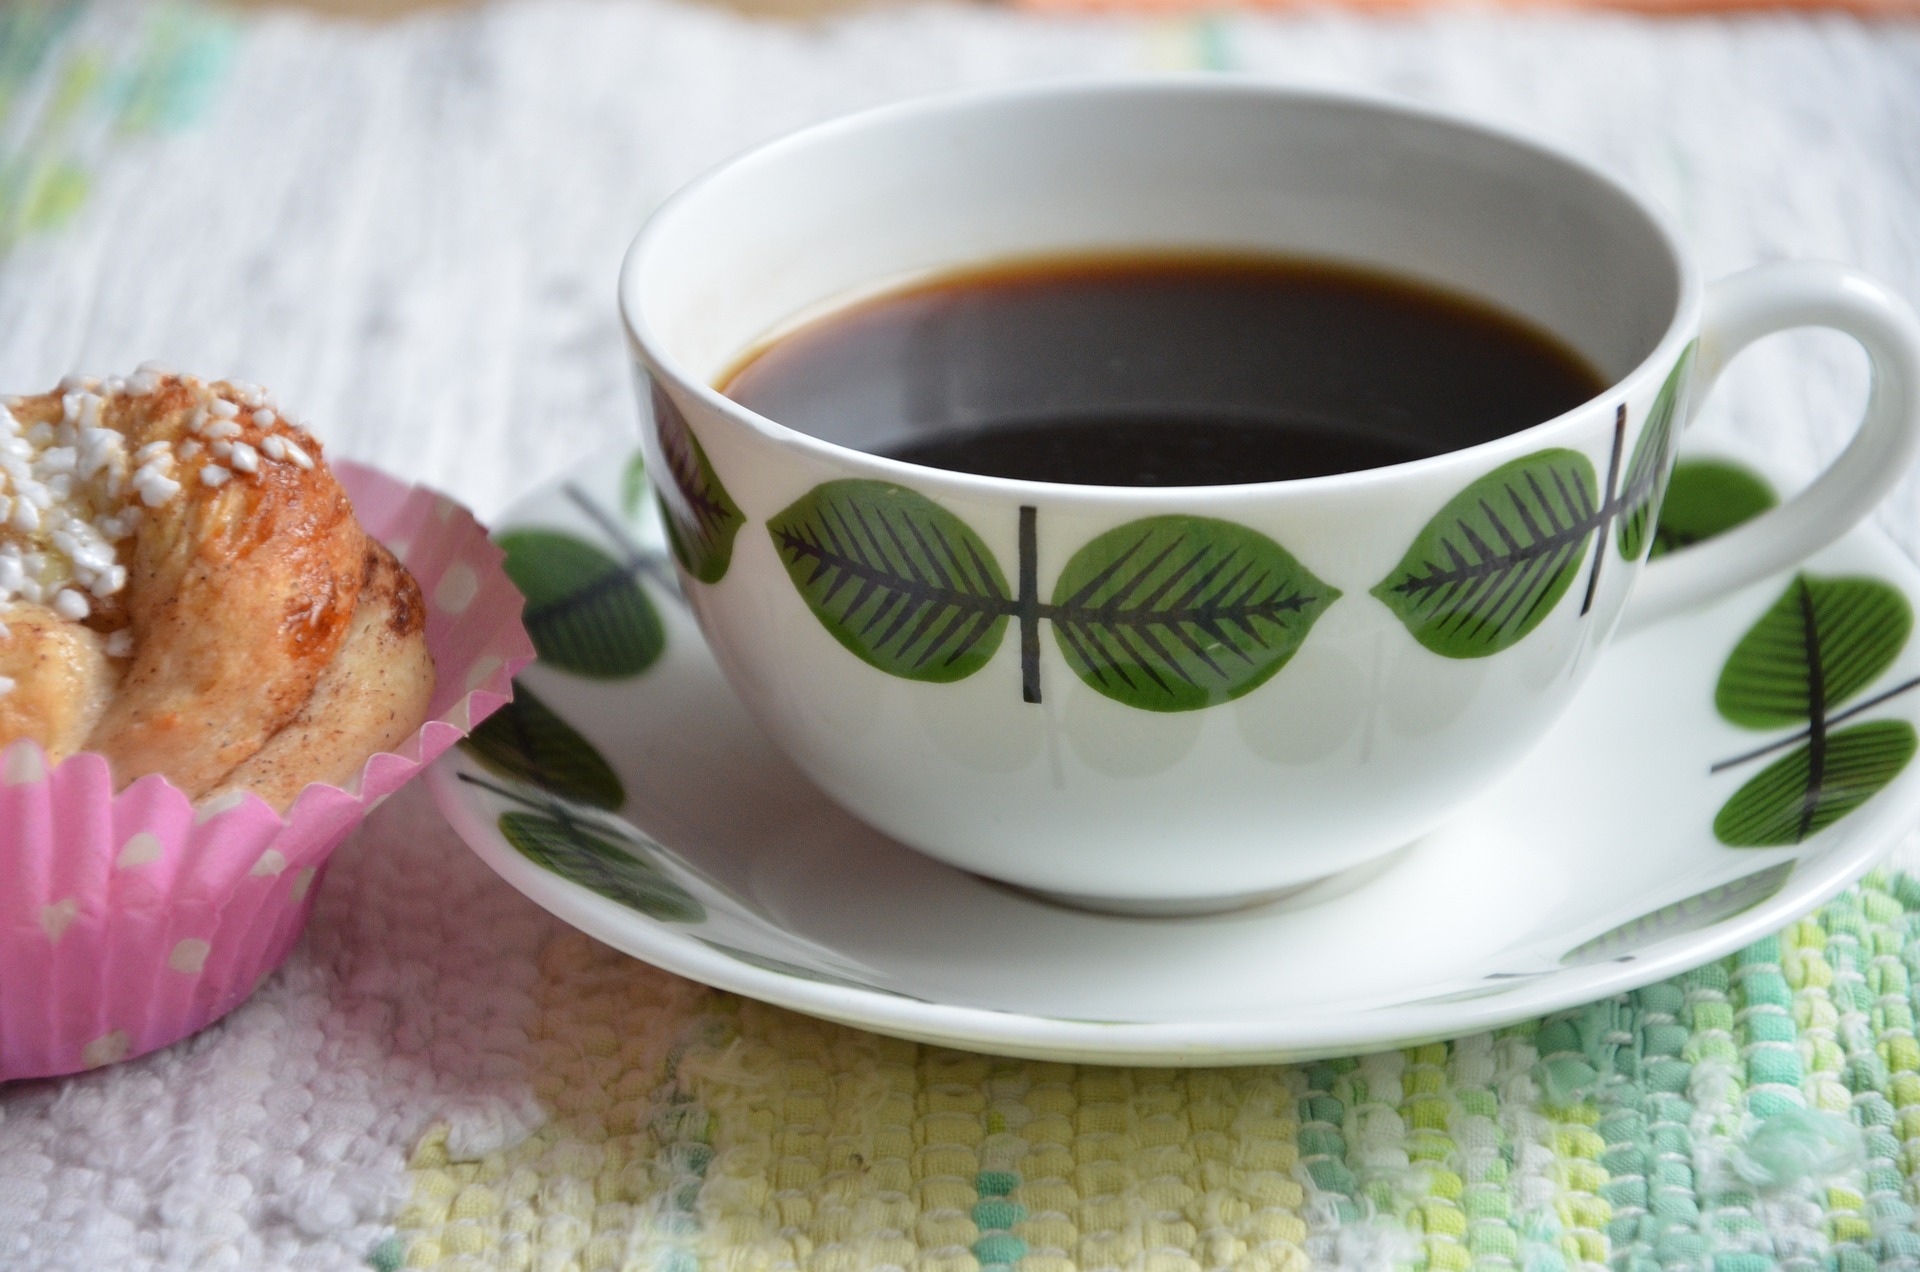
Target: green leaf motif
x,y
1815,786
526,741
1175,613
633,486
1495,984
768,963
1822,642
702,518
1699,911
1707,497
1490,566
897,579
1648,467
581,856
585,611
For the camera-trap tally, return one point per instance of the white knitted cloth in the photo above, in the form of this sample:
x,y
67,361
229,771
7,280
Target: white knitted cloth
x,y
411,232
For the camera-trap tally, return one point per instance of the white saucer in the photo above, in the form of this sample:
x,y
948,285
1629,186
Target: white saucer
x,y
1579,877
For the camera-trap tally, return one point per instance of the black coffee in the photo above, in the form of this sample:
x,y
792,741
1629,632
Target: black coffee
x,y
1163,371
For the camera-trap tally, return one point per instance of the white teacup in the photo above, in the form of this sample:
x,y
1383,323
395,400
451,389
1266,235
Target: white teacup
x,y
1375,693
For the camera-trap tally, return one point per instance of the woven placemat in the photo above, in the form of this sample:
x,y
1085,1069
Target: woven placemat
x,y
1755,1113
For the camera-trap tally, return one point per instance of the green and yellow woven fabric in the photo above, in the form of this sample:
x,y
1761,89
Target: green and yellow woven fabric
x,y
1758,1112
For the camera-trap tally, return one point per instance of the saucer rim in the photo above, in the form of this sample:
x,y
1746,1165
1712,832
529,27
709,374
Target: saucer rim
x,y
1816,879
1286,1039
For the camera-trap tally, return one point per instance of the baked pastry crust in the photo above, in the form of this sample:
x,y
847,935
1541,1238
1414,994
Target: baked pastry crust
x,y
267,641
62,680
370,697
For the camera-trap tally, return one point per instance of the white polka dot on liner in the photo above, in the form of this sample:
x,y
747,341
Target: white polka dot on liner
x,y
107,1049
219,804
143,848
457,589
189,956
55,919
22,765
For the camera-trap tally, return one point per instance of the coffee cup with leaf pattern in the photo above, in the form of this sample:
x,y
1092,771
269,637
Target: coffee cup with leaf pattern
x,y
1172,700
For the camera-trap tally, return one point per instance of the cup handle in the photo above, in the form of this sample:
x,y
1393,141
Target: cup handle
x,y
1740,310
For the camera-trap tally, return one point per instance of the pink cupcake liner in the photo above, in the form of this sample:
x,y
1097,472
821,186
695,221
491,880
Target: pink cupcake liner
x,y
129,921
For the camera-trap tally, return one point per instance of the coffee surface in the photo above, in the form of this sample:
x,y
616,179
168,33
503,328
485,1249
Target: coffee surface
x,y
1163,371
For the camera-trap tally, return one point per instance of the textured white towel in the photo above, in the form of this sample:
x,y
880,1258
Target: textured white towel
x,y
411,233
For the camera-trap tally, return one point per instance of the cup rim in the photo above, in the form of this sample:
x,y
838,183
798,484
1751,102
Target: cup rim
x,y
1688,302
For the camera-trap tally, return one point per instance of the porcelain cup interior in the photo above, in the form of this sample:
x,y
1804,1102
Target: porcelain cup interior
x,y
1090,753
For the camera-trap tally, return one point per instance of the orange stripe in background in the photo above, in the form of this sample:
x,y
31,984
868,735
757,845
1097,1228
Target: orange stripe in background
x,y
1863,8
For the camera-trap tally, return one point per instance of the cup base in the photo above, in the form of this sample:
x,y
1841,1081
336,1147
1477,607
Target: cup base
x,y
1158,908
